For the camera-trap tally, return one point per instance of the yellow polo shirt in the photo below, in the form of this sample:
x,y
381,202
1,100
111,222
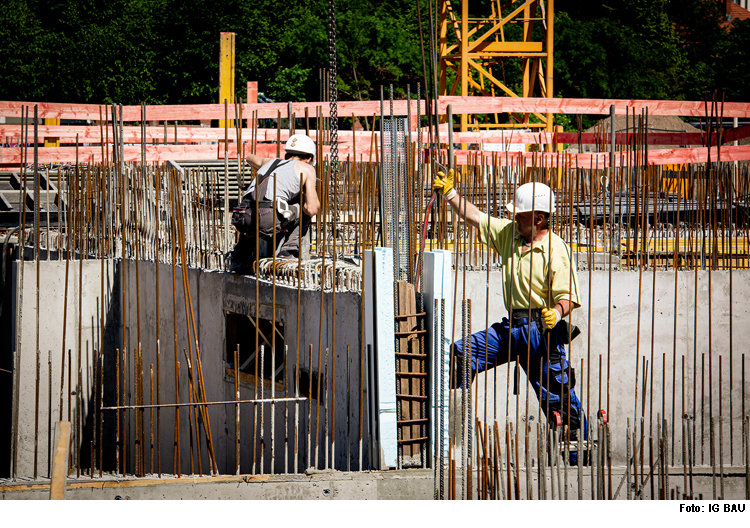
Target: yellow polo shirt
x,y
522,269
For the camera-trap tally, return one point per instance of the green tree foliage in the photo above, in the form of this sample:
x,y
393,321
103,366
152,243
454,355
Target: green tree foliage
x,y
166,51
628,51
378,45
734,76
651,49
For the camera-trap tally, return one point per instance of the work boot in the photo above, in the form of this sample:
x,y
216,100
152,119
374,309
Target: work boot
x,y
241,266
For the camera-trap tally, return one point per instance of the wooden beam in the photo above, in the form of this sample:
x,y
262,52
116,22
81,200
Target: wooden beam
x,y
735,134
93,154
571,138
60,461
159,153
191,134
185,134
465,105
252,92
600,160
494,105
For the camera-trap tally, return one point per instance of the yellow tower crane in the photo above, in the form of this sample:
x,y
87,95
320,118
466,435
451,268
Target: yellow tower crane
x,y
473,51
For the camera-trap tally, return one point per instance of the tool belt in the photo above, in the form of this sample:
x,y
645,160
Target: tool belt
x,y
242,215
563,331
522,317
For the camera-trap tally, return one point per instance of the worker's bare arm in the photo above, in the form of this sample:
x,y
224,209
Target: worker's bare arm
x,y
256,161
564,306
311,204
465,209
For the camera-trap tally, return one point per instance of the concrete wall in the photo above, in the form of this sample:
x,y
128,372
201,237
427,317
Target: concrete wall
x,y
213,295
701,338
321,485
613,339
79,340
410,484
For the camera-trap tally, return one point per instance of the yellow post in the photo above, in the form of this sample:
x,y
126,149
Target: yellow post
x,y
52,141
550,51
525,88
226,72
443,43
559,149
464,61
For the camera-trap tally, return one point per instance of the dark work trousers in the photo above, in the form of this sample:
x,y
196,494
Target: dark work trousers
x,y
551,385
288,233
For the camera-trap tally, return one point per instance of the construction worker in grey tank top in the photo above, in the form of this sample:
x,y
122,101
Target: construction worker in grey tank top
x,y
278,186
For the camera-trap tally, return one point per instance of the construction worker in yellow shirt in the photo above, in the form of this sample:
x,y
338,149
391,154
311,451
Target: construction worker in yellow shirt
x,y
540,288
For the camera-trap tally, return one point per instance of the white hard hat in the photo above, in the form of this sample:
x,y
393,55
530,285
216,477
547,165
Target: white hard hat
x,y
300,144
533,196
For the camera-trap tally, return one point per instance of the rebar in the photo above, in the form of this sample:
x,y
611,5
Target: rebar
x,y
634,217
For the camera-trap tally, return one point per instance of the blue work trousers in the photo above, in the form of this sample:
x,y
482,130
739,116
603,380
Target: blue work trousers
x,y
497,346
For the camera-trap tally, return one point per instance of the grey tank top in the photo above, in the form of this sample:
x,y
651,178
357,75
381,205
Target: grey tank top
x,y
287,182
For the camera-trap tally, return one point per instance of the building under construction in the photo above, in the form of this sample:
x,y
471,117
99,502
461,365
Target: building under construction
x,y
135,365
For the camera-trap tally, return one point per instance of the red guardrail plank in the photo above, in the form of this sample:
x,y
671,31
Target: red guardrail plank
x,y
587,138
132,134
209,152
189,134
493,105
600,160
461,105
93,154
735,134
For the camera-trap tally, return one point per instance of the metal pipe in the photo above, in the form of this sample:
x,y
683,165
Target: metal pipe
x,y
201,404
333,404
309,407
36,413
273,313
262,409
191,392
151,422
157,214
99,397
176,447
176,461
317,411
49,412
237,408
348,404
326,430
79,425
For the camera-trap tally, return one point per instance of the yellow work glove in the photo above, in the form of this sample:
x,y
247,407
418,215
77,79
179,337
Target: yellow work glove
x,y
444,184
551,317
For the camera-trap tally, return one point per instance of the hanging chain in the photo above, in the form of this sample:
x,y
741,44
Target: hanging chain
x,y
333,76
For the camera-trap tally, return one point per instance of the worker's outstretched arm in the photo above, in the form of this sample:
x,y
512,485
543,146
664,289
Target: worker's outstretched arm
x,y
465,209
256,161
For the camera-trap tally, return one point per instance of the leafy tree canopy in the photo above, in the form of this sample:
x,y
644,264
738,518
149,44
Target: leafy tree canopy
x,y
166,51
